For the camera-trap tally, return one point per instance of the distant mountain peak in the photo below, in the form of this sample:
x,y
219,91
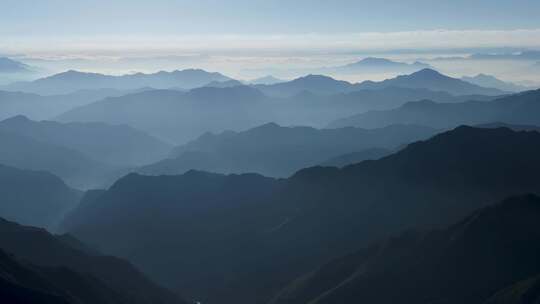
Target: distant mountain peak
x,y
427,72
385,64
313,77
375,60
267,80
17,118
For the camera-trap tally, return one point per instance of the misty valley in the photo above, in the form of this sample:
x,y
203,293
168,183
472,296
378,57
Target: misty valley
x,y
205,152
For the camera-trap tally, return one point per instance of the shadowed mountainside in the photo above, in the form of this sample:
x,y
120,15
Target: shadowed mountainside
x,y
71,81
53,266
465,263
241,238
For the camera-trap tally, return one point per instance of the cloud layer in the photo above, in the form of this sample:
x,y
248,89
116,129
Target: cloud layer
x,y
310,42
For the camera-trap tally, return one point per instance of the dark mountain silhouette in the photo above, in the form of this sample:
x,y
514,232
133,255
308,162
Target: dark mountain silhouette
x,y
70,273
356,157
74,167
465,263
46,107
241,238
373,65
21,284
35,198
8,66
489,81
278,151
267,80
432,80
118,145
522,108
71,81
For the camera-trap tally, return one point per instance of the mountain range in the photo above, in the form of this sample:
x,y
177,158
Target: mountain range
x,y
278,151
71,81
46,107
315,101
468,262
423,79
346,159
242,238
116,145
38,267
74,167
489,81
522,108
432,80
178,116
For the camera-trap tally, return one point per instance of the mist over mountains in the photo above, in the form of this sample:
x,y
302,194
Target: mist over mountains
x,y
515,109
71,81
379,65
278,151
193,187
8,66
180,116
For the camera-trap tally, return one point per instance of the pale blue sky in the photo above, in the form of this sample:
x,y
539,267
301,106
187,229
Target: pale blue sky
x,y
100,17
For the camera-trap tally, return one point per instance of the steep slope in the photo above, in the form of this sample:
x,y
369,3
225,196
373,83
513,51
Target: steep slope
x,y
522,108
72,166
71,81
465,263
34,198
86,278
278,151
242,238
432,80
118,145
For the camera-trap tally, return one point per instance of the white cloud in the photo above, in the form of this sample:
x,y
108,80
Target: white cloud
x,y
310,42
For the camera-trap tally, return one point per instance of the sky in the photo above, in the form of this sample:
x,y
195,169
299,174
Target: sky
x,y
32,23
260,31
